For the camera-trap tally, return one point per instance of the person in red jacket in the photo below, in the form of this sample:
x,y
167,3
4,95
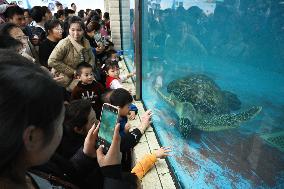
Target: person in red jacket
x,y
114,79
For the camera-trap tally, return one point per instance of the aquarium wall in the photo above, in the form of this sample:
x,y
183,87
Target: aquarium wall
x,y
213,74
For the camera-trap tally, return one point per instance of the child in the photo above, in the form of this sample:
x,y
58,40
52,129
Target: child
x,y
123,99
79,118
113,55
114,79
88,88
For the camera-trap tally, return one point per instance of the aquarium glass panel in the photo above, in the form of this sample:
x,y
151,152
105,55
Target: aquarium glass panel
x,y
213,75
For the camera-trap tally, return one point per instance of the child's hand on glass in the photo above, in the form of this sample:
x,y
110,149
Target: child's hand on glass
x,y
146,120
130,75
162,152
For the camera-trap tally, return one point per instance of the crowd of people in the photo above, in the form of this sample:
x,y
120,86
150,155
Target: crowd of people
x,y
56,71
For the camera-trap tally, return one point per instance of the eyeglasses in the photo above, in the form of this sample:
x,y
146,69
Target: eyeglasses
x,y
22,38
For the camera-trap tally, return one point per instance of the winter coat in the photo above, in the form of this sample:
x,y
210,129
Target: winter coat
x,y
67,55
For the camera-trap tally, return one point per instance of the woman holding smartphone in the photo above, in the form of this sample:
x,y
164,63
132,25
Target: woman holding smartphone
x,y
31,115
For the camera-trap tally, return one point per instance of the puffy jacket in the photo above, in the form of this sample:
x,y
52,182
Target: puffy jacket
x,y
67,55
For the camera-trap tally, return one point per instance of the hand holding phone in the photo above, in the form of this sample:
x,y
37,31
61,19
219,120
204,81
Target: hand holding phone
x,y
90,141
109,119
113,156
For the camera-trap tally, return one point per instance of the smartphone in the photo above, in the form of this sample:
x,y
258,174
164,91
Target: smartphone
x,y
109,118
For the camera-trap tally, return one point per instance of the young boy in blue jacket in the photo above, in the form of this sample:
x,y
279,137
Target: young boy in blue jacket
x,y
123,99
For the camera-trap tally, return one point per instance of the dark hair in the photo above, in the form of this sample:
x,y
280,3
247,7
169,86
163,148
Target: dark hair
x,y
50,24
110,52
57,3
88,10
46,9
98,11
95,18
106,15
90,15
13,10
8,42
37,13
81,66
5,28
106,96
68,11
72,4
110,64
56,15
120,97
81,13
24,101
28,11
76,19
76,114
93,26
60,13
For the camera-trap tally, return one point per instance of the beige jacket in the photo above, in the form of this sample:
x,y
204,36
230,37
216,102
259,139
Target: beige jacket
x,y
67,55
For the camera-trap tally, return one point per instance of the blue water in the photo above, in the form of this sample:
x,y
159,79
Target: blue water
x,y
239,45
219,162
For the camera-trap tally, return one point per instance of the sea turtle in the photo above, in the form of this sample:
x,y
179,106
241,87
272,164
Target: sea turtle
x,y
200,103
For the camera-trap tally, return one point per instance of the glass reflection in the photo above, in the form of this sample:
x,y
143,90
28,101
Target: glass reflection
x,y
213,72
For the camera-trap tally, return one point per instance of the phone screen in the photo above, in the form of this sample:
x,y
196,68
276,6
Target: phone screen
x,y
108,122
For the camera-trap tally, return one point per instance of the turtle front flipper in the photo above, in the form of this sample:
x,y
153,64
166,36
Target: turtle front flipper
x,y
187,117
185,126
227,121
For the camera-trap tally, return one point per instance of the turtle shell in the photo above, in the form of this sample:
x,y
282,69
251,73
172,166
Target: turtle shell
x,y
201,91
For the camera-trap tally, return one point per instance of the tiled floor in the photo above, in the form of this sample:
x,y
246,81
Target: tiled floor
x,y
159,176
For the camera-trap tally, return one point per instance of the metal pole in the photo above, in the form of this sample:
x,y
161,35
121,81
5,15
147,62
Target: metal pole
x,y
121,24
138,47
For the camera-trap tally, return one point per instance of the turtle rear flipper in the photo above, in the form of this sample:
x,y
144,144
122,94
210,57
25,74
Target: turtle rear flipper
x,y
228,121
